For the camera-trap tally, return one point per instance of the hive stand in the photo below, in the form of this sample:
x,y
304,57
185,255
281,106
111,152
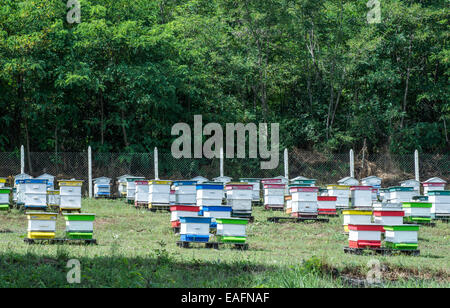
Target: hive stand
x,y
60,241
69,211
274,208
329,215
382,251
250,218
296,220
212,245
159,207
140,205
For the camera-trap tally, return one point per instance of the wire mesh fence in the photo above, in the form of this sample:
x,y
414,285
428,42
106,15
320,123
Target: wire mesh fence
x,y
325,168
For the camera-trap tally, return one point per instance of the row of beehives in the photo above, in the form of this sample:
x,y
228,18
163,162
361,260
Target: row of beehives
x,y
36,193
42,225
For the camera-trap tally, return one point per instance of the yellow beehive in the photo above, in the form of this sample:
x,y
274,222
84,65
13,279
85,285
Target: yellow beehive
x,y
357,217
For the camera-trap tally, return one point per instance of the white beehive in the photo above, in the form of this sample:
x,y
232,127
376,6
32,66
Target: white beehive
x,y
361,196
401,194
19,180
342,192
412,183
433,184
159,192
50,180
131,187
256,183
231,230
185,192
401,236
441,202
365,235
142,192
122,185
356,217
194,229
239,197
274,192
35,193
177,211
70,194
388,216
304,200
41,225
209,194
102,187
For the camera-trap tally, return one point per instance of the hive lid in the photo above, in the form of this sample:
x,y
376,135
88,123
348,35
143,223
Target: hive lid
x,y
368,227
209,186
361,188
184,183
401,188
70,183
35,181
196,220
217,208
436,180
232,221
401,228
417,204
439,193
357,212
338,187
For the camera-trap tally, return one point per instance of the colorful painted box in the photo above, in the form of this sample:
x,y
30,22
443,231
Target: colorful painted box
x,y
159,192
400,194
304,200
41,225
388,216
194,229
326,205
5,193
142,192
231,230
239,196
209,194
401,236
131,187
34,193
274,195
177,211
342,192
419,212
70,194
79,226
256,191
365,236
356,217
102,187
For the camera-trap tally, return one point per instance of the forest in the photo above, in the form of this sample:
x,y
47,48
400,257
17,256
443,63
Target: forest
x,y
123,76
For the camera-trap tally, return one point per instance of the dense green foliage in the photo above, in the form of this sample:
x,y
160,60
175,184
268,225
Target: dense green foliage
x,y
130,70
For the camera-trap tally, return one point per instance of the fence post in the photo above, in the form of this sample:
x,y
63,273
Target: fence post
x,y
155,159
286,164
90,171
352,164
416,165
221,161
22,159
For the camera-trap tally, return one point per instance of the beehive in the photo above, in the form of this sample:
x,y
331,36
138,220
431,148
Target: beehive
x,y
34,193
50,180
102,187
304,200
273,194
433,184
400,194
177,211
419,212
231,230
194,229
401,236
388,216
159,192
19,181
342,192
326,205
209,194
361,196
122,185
364,235
2,182
5,193
79,226
53,198
70,194
239,197
141,196
131,188
185,192
256,183
412,183
41,225
356,217
215,212
441,202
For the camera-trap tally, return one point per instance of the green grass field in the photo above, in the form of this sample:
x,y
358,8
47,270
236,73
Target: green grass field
x,y
137,248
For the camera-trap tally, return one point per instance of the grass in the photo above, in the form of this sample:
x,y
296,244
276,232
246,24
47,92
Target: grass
x,y
137,249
